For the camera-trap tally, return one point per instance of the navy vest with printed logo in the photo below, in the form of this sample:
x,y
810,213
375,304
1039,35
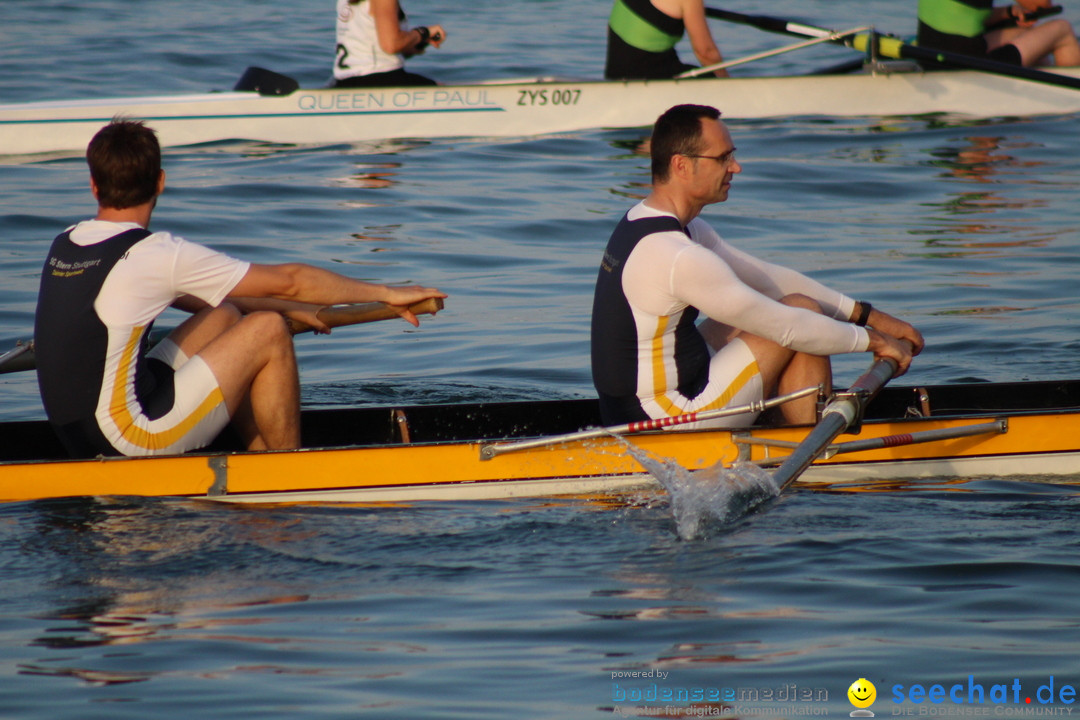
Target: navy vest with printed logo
x,y
70,341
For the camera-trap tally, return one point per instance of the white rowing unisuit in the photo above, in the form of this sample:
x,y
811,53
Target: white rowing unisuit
x,y
669,272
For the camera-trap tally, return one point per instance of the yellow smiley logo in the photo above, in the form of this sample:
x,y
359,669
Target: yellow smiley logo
x,y
862,693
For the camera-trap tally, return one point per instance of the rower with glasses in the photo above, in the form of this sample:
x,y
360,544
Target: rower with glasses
x,y
768,330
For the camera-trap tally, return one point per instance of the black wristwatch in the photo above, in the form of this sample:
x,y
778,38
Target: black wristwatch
x,y
864,313
425,37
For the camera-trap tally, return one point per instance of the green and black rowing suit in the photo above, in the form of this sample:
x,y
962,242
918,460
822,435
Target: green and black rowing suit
x,y
641,42
959,26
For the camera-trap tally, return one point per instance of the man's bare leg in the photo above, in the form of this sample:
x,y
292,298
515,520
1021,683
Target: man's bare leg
x,y
255,366
197,331
1054,38
784,370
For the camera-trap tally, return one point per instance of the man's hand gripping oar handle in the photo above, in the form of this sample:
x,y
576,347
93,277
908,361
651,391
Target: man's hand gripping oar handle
x,y
358,313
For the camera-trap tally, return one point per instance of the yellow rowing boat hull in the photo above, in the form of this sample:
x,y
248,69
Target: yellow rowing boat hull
x,y
1034,444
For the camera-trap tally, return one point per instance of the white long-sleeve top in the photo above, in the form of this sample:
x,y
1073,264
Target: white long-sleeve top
x,y
669,271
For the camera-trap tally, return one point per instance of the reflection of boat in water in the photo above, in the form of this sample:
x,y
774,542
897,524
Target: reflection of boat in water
x,y
438,451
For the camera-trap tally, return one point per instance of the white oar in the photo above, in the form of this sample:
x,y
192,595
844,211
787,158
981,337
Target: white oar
x,y
770,53
487,452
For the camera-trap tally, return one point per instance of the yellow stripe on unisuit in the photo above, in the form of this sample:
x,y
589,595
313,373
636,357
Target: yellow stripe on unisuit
x,y
659,371
745,375
121,415
736,385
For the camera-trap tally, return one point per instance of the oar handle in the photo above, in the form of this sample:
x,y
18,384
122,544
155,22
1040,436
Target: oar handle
x,y
358,313
1036,14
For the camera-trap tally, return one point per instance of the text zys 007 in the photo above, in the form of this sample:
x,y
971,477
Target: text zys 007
x,y
549,96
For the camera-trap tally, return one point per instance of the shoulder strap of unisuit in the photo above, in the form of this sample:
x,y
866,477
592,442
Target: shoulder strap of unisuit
x,y
642,26
956,17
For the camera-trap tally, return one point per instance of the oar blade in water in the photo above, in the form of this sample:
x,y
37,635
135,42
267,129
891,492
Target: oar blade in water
x,y
711,498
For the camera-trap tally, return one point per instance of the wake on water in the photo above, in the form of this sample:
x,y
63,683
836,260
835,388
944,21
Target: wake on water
x,y
712,497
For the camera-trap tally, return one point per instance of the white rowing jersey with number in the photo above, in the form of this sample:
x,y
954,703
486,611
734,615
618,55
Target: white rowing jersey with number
x,y
358,51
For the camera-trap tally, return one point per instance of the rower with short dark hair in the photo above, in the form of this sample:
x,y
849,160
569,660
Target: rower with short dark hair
x,y
768,330
106,280
968,27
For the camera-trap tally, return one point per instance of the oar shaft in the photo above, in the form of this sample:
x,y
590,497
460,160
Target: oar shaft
x,y
891,47
768,53
358,313
895,48
837,417
21,357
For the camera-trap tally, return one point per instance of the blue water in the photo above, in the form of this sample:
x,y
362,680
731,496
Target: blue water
x,y
117,608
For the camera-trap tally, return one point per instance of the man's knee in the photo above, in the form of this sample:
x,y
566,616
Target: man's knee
x,y
269,327
224,316
228,312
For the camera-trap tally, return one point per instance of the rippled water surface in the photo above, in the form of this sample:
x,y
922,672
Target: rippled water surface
x,y
118,608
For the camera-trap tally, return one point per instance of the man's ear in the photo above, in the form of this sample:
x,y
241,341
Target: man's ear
x,y
161,183
93,187
680,165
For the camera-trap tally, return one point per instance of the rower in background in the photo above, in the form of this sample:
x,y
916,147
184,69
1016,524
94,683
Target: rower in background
x,y
642,35
373,42
961,26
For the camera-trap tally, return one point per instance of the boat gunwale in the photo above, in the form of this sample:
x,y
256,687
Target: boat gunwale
x,y
479,441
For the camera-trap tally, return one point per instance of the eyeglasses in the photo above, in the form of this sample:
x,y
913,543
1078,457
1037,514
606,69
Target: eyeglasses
x,y
723,158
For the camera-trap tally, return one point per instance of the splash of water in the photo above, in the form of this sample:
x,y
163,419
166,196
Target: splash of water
x,y
712,497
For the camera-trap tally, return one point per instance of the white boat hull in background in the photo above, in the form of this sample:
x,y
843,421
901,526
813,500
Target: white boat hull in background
x,y
319,116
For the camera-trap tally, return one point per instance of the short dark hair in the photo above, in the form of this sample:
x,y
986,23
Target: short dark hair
x,y
677,132
125,163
